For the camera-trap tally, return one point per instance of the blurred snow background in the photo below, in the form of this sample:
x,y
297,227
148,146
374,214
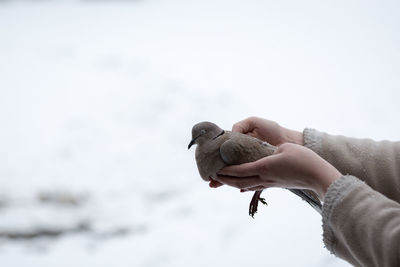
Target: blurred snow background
x,y
97,101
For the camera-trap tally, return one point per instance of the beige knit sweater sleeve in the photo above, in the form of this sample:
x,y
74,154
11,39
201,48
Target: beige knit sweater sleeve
x,y
361,220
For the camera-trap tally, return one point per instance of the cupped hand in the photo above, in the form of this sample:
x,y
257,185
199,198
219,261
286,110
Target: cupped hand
x,y
291,166
265,130
268,131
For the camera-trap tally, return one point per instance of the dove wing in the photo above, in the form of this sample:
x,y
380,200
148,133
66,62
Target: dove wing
x,y
240,148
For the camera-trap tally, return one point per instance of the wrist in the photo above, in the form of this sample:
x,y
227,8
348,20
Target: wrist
x,y
330,177
292,136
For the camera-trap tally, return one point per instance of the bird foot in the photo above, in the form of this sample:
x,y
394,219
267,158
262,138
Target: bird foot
x,y
253,209
254,203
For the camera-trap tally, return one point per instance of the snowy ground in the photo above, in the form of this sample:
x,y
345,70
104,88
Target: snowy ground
x,y
97,100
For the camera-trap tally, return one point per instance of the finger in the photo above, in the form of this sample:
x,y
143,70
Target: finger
x,y
241,183
243,126
256,188
241,170
215,184
253,134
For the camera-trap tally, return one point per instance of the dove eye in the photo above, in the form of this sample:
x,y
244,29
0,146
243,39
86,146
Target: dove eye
x,y
203,131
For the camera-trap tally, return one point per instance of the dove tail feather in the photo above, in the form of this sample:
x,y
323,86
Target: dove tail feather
x,y
315,203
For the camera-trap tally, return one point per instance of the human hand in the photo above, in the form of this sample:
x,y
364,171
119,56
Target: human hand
x,y
268,131
291,166
265,130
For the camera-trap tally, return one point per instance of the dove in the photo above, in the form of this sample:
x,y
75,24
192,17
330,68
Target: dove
x,y
217,148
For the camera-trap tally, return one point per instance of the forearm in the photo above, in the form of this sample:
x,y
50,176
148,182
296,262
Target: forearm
x,y
361,225
370,161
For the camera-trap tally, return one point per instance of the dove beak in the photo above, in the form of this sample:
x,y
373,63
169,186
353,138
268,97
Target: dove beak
x,y
192,143
194,139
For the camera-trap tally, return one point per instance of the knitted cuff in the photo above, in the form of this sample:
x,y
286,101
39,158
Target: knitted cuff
x,y
313,140
336,192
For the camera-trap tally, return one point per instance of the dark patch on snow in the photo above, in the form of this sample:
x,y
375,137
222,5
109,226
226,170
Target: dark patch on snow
x,y
44,232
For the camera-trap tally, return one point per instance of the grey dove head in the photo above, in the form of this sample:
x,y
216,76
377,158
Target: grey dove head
x,y
204,131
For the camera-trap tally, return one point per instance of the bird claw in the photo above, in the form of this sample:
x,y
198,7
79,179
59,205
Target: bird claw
x,y
252,210
262,200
